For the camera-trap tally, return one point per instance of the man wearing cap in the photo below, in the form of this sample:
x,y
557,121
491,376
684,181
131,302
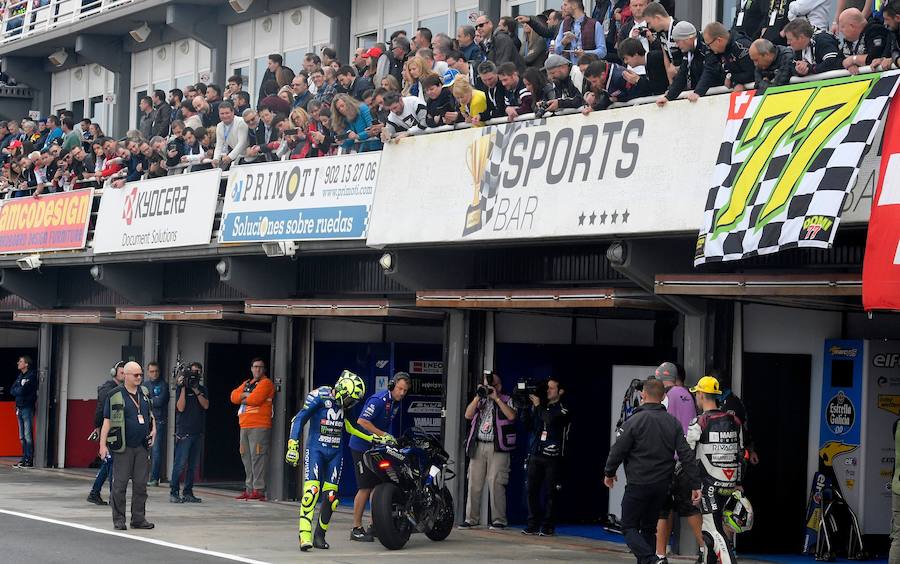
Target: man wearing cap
x,y
716,439
647,443
695,51
567,94
382,64
680,405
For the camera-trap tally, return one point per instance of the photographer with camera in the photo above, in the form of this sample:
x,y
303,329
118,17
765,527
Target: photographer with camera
x,y
550,424
190,419
128,432
566,93
492,436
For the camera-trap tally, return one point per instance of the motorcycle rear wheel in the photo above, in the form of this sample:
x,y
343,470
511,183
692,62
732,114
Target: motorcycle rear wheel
x,y
388,515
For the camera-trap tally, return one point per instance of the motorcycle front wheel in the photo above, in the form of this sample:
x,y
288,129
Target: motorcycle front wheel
x,y
444,525
389,517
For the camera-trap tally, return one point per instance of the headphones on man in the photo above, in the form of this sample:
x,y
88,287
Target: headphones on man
x,y
115,368
398,376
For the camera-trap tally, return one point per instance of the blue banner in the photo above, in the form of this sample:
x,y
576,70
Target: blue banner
x,y
343,222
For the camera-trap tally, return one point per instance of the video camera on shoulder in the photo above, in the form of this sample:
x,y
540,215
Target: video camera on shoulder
x,y
191,378
526,387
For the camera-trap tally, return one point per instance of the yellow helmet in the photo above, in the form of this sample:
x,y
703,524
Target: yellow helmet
x,y
707,385
349,389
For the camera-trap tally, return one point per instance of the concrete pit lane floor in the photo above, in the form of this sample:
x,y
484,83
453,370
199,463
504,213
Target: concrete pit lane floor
x,y
45,519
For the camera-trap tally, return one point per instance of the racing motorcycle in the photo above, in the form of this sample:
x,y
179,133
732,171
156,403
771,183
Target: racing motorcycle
x,y
413,496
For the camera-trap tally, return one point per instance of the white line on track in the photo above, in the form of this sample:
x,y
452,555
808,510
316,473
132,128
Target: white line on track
x,y
157,542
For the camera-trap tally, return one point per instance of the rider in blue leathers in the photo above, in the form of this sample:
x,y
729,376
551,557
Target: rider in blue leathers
x,y
324,408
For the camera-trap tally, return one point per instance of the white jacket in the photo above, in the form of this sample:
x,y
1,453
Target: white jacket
x,y
237,141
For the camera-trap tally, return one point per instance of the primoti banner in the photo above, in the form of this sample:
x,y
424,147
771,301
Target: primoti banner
x,y
51,222
881,266
299,200
620,171
162,213
787,161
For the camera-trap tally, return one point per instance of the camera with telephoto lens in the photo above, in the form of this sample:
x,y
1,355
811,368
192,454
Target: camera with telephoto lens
x,y
646,33
540,109
485,388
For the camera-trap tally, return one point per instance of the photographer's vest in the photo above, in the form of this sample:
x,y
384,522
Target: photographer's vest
x,y
115,439
588,31
504,430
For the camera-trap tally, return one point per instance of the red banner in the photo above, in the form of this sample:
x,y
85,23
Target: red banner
x,y
51,222
881,267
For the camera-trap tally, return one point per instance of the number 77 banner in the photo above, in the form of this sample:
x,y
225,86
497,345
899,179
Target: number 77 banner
x,y
788,159
881,266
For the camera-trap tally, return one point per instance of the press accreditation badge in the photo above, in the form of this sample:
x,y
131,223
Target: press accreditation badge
x,y
544,436
140,419
772,17
740,20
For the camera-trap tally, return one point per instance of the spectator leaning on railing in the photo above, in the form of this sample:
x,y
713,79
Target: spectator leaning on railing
x,y
692,63
890,11
815,51
774,64
862,41
408,114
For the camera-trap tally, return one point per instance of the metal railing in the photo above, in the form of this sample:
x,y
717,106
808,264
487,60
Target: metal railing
x,y
25,18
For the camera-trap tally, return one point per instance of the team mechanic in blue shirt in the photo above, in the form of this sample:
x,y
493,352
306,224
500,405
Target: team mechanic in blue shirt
x,y
377,418
325,407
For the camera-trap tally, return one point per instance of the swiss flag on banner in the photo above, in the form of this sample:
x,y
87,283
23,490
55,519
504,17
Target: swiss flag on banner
x,y
881,266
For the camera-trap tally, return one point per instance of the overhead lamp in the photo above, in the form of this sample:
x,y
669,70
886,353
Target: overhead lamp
x,y
280,249
240,6
387,262
141,33
58,58
31,262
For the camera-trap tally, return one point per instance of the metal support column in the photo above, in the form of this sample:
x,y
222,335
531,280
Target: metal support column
x,y
281,376
171,358
62,397
456,343
42,415
151,354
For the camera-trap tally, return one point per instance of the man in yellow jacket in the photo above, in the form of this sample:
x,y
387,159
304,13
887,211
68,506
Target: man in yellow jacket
x,y
254,396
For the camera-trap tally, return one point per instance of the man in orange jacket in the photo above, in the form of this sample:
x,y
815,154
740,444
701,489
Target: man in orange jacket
x,y
254,396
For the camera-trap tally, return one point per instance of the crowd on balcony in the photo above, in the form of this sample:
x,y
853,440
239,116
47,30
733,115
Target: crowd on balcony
x,y
566,60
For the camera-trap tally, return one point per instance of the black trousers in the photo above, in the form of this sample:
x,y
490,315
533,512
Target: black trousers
x,y
132,464
541,470
640,511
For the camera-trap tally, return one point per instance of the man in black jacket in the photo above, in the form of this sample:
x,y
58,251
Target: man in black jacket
x,y
694,52
117,376
351,84
566,94
814,51
863,41
497,45
647,444
25,389
728,61
751,17
493,90
774,64
550,429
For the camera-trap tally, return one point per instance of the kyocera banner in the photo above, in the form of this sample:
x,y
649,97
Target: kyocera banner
x,y
173,211
51,222
299,200
621,171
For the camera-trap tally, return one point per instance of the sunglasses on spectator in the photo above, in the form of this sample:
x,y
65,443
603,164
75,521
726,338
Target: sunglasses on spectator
x,y
479,26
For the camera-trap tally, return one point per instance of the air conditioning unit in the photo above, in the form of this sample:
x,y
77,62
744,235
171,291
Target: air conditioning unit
x,y
240,6
58,58
140,34
280,249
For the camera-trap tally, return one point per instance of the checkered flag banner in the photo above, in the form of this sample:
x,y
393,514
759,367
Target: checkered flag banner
x,y
486,156
788,159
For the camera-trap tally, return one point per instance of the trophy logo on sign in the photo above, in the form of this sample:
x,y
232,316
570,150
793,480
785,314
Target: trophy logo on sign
x,y
476,161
